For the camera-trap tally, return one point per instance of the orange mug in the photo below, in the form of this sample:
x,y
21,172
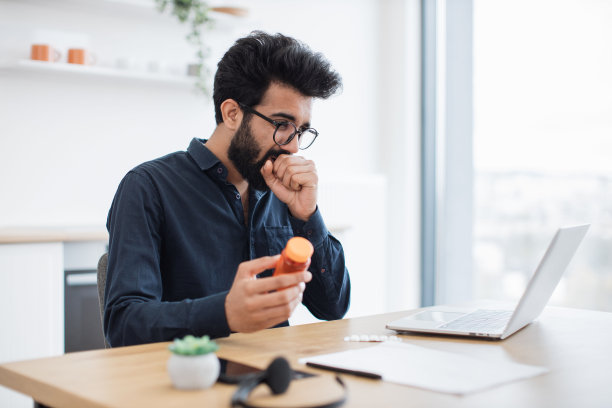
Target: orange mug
x,y
44,52
80,56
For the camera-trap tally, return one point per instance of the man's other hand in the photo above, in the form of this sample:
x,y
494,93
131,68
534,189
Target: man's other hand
x,y
294,180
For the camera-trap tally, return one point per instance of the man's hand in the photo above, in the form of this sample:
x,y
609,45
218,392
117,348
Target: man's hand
x,y
293,179
251,305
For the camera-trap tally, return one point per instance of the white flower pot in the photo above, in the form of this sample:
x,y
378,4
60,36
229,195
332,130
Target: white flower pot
x,y
193,372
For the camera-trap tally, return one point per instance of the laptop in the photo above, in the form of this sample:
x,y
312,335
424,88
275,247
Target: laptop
x,y
500,324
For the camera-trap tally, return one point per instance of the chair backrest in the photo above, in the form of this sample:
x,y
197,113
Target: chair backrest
x,y
102,265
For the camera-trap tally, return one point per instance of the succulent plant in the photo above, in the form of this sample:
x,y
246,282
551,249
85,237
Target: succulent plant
x,y
193,346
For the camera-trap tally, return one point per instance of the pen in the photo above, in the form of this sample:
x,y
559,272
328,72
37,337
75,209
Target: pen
x,y
346,371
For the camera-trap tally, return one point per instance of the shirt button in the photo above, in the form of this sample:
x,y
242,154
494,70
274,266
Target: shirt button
x,y
219,170
237,196
309,232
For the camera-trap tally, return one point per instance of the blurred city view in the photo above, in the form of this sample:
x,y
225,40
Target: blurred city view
x,y
542,144
516,215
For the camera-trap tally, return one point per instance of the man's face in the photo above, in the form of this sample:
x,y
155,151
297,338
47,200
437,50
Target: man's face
x,y
252,144
245,152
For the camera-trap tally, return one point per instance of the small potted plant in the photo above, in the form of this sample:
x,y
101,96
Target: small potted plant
x,y
193,363
197,14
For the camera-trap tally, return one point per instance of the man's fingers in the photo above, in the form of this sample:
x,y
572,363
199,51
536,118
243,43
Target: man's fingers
x,y
283,312
274,315
279,298
297,165
249,269
267,171
271,283
301,180
274,183
296,173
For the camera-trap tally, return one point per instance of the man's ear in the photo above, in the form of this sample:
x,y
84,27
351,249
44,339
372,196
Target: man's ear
x,y
232,114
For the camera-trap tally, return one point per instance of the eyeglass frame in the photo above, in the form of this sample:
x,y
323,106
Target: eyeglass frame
x,y
278,124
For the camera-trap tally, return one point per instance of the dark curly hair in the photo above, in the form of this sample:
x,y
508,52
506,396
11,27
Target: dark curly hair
x,y
253,62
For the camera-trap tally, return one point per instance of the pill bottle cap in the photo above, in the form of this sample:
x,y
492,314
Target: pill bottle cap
x,y
299,249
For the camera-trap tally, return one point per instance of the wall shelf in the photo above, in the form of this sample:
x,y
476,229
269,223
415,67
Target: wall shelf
x,y
87,71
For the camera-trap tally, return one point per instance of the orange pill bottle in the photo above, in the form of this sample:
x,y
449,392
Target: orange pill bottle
x,y
295,257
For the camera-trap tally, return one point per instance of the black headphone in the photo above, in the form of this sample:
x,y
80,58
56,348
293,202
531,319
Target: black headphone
x,y
277,376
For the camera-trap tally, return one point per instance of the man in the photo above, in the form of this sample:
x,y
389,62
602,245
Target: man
x,y
194,235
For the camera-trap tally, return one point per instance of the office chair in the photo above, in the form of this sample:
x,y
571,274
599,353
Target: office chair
x,y
102,265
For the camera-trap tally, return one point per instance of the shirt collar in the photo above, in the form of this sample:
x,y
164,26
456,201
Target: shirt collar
x,y
206,160
258,193
203,157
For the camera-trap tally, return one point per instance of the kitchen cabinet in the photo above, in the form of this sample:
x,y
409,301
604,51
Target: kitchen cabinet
x,y
32,269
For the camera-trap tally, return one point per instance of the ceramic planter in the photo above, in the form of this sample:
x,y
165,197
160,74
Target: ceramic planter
x,y
193,372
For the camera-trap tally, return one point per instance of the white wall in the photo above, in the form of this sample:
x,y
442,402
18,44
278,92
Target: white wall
x,y
66,141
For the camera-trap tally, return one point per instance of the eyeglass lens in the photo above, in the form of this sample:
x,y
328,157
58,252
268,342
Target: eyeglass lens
x,y
285,132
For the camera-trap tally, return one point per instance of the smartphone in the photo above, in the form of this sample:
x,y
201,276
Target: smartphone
x,y
233,372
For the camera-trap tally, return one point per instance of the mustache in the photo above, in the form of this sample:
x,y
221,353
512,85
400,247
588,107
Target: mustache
x,y
271,154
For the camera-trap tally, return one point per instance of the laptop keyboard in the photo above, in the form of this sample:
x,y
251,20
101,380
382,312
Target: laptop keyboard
x,y
483,321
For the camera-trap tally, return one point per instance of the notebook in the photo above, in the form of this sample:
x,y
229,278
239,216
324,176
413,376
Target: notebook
x,y
500,324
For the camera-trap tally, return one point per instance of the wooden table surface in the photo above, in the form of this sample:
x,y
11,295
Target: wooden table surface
x,y
575,345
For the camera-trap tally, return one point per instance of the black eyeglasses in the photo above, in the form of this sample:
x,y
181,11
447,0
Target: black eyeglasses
x,y
285,131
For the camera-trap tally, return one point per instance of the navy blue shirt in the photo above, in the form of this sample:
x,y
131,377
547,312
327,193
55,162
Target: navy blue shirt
x,y
177,235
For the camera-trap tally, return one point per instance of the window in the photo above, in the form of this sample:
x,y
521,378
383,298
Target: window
x,y
523,144
542,144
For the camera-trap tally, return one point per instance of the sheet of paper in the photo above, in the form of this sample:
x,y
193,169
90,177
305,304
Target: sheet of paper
x,y
421,367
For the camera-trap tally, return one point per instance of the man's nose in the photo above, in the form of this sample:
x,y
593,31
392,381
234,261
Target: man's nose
x,y
293,146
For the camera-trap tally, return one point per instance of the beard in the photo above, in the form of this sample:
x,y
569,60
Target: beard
x,y
243,153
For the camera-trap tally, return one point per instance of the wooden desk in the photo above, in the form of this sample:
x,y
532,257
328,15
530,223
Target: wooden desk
x,y
576,345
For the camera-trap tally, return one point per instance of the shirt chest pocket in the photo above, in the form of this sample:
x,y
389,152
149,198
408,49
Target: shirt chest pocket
x,y
277,237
